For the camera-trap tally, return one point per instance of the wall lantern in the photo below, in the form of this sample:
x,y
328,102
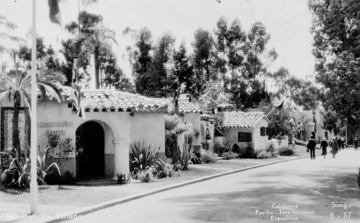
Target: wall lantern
x,y
208,136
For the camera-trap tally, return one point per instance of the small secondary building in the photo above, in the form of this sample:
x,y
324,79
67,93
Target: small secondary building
x,y
246,129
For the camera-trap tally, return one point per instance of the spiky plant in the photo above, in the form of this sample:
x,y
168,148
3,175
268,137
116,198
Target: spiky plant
x,y
142,156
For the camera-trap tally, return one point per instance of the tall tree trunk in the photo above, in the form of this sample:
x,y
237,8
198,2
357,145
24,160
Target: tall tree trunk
x,y
97,68
15,125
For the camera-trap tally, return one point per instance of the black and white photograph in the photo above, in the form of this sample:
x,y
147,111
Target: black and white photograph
x,y
181,111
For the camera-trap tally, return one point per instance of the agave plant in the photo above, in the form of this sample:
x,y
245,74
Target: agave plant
x,y
42,169
187,156
18,173
142,156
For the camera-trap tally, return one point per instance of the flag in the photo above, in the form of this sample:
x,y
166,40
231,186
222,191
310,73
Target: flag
x,y
279,107
55,15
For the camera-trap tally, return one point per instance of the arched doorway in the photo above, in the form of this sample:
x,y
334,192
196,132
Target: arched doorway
x,y
90,139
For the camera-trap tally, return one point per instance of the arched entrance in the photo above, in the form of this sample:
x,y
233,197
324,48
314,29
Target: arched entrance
x,y
90,139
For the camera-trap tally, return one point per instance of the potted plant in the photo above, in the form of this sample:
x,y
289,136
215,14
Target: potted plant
x,y
52,138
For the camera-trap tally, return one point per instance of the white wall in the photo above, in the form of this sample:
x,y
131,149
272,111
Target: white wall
x,y
149,127
260,142
231,137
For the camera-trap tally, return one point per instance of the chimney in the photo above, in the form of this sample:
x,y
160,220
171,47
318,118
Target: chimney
x,y
185,97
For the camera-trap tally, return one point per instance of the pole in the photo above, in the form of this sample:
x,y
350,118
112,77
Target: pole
x,y
33,184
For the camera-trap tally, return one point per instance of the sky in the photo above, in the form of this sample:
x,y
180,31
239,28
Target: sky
x,y
287,21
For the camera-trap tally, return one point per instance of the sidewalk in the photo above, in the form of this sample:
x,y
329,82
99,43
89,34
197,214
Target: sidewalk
x,y
72,199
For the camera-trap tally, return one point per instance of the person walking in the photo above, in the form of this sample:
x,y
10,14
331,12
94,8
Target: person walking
x,y
311,146
334,147
343,143
324,145
356,142
338,142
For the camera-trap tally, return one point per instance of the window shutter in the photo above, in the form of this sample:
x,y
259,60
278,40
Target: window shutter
x,y
262,131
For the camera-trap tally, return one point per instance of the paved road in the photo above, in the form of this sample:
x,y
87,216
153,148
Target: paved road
x,y
320,190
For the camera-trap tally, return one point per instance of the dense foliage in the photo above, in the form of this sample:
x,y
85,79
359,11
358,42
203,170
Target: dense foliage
x,y
337,52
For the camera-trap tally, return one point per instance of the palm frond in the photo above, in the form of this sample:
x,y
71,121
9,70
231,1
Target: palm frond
x,y
5,94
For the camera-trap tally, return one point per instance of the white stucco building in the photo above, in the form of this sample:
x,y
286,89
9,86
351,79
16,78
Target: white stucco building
x,y
113,121
305,121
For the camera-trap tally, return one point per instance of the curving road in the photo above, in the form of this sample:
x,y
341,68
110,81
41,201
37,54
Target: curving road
x,y
320,190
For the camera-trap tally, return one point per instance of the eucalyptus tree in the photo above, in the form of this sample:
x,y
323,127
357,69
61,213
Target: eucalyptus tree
x,y
8,43
204,56
162,62
94,39
229,43
182,72
140,53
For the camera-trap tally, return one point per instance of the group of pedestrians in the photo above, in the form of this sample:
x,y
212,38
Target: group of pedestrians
x,y
336,143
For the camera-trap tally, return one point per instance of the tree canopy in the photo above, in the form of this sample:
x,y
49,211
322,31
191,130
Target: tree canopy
x,y
337,52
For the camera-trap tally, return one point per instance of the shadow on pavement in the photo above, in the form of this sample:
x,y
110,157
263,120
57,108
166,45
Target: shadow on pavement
x,y
331,197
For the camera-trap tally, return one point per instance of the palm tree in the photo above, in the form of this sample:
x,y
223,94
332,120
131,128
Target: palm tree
x,y
96,43
147,85
17,87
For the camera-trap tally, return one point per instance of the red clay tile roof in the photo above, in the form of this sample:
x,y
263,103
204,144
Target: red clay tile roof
x,y
114,101
206,117
244,119
184,107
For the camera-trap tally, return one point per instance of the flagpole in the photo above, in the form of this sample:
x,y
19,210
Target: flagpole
x,y
33,157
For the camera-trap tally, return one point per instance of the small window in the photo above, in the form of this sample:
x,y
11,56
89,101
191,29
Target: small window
x,y
266,131
244,137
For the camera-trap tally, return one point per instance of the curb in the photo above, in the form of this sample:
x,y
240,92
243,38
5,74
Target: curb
x,y
97,207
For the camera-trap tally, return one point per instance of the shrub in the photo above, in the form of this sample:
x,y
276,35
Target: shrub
x,y
42,169
186,157
145,176
261,154
286,152
249,152
172,150
142,156
17,174
236,149
230,155
208,156
164,169
219,148
53,178
122,179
